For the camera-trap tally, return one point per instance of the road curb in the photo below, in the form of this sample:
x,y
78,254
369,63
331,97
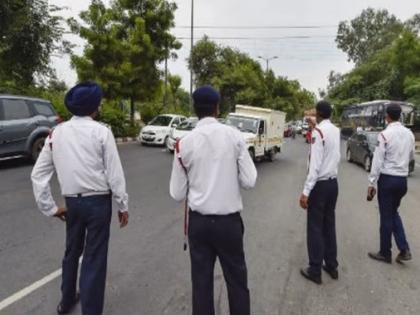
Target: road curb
x,y
125,140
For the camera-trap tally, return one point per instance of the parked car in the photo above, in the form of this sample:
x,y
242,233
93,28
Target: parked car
x,y
158,129
361,146
179,132
288,131
25,122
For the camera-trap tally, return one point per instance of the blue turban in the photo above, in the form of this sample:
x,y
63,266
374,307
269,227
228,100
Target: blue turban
x,y
84,98
206,95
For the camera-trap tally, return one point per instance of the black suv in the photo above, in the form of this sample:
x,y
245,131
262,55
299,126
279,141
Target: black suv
x,y
24,124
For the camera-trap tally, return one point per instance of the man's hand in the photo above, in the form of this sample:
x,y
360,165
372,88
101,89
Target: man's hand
x,y
371,193
61,214
123,218
303,201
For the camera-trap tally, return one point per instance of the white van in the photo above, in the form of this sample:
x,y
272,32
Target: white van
x,y
158,129
262,128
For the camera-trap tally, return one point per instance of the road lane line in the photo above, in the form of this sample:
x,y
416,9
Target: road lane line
x,y
31,288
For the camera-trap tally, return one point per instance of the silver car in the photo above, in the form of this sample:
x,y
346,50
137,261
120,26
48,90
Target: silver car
x,y
24,124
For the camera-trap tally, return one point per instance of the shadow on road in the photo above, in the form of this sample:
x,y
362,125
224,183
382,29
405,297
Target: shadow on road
x,y
14,163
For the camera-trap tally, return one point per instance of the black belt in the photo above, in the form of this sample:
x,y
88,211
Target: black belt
x,y
327,179
213,216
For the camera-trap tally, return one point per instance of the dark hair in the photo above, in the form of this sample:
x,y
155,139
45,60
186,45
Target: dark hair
x,y
394,111
204,110
324,109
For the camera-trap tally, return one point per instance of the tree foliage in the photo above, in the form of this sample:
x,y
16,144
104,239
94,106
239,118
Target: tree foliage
x,y
30,32
363,36
125,44
241,80
391,73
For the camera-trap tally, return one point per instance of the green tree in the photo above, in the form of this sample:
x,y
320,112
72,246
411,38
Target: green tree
x,y
125,44
30,32
392,73
363,36
241,80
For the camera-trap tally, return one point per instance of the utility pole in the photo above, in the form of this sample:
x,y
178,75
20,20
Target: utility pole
x,y
165,95
192,46
267,61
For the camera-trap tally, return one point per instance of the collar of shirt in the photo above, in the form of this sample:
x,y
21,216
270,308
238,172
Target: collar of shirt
x,y
324,121
206,121
81,118
394,124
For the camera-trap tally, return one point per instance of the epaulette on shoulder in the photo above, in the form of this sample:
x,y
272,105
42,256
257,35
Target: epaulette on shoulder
x,y
383,137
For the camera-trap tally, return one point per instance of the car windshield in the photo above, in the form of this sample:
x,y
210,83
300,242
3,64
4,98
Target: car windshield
x,y
243,123
161,121
188,125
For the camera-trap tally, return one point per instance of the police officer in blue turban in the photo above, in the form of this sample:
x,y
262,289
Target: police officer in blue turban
x,y
84,154
211,164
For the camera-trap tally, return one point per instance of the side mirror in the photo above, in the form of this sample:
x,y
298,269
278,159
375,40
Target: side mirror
x,y
261,130
174,125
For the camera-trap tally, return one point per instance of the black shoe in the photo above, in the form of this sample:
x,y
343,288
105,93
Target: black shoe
x,y
380,257
332,272
404,255
61,309
306,274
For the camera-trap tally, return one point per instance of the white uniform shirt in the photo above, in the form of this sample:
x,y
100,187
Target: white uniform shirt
x,y
218,164
85,156
393,153
324,155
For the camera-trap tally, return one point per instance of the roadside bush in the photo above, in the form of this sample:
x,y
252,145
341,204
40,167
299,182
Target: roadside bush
x,y
115,118
149,111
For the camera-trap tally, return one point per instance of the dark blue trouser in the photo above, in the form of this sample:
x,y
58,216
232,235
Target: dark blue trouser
x,y
391,189
87,232
321,234
211,237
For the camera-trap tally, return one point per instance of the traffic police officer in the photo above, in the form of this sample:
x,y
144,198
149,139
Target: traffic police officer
x,y
83,152
211,164
389,172
320,194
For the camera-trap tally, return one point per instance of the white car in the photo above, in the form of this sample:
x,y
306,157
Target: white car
x,y
179,132
157,131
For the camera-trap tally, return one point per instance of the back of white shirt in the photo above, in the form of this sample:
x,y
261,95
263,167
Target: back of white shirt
x,y
393,153
84,154
324,154
218,164
78,154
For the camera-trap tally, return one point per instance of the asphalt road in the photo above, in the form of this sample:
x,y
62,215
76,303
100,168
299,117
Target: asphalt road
x,y
148,272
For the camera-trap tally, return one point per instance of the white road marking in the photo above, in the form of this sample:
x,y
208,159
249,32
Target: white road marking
x,y
31,288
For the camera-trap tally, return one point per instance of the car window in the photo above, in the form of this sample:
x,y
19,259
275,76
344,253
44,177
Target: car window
x,y
44,109
15,109
361,138
176,121
162,121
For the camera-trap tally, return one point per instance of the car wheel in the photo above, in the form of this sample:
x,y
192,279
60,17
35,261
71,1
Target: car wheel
x,y
368,163
252,153
37,148
348,156
272,154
